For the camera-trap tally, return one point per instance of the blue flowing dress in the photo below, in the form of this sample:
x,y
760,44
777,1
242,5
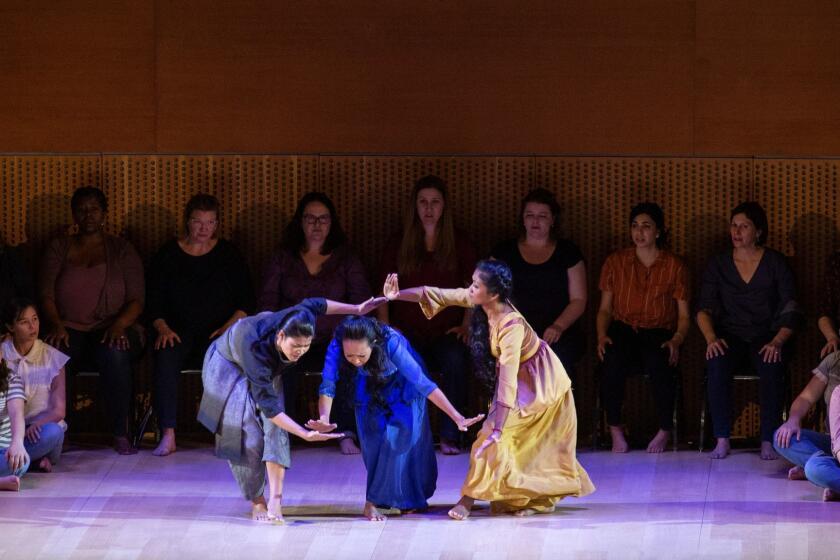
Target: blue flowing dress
x,y
396,440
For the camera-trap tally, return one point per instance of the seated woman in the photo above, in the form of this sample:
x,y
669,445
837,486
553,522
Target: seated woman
x,y
243,400
14,461
430,251
549,276
389,391
314,260
524,458
747,312
41,368
198,286
92,293
642,322
815,455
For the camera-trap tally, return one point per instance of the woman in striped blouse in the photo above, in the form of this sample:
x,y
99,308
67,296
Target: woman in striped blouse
x,y
14,461
642,322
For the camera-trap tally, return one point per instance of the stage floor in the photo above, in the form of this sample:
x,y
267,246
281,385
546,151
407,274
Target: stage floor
x,y
675,505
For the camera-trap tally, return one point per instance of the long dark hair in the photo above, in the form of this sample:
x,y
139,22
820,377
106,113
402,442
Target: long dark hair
x,y
300,323
498,279
13,309
413,243
376,335
294,240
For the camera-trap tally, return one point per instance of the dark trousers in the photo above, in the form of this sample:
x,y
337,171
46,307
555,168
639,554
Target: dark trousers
x,y
638,351
742,355
342,412
169,362
86,351
570,349
447,360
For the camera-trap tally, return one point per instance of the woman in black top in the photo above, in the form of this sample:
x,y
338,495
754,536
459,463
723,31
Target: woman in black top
x,y
747,312
549,276
198,286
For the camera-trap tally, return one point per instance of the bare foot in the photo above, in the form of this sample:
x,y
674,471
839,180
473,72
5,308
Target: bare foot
x,y
767,451
722,448
348,446
167,443
531,511
796,473
259,510
449,447
45,465
10,483
123,446
372,513
619,444
275,510
830,495
462,509
659,442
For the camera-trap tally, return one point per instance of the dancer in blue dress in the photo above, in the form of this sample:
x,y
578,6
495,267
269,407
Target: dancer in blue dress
x,y
389,391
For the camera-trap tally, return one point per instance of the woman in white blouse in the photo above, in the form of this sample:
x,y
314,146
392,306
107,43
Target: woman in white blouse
x,y
41,368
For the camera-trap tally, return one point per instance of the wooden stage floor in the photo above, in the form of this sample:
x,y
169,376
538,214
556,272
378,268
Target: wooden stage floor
x,y
675,505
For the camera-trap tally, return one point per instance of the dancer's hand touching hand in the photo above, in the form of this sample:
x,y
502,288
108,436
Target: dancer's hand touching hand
x,y
465,423
322,425
391,288
369,305
314,435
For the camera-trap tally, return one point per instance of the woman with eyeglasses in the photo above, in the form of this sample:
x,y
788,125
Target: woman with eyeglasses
x,y
198,286
314,260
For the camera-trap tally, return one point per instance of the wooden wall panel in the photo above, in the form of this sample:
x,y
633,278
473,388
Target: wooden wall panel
x,y
77,76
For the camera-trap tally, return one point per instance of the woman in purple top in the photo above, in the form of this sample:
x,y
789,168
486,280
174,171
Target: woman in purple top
x,y
92,293
314,260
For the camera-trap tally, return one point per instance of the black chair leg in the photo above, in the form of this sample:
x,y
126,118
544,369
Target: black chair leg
x,y
141,429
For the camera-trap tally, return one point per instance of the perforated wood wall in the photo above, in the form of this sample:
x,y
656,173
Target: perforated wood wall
x,y
258,193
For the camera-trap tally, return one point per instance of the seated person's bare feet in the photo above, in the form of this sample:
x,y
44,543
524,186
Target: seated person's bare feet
x,y
830,495
275,510
166,445
348,446
619,444
462,509
659,442
722,449
45,465
531,511
10,483
123,446
449,447
767,451
372,513
796,473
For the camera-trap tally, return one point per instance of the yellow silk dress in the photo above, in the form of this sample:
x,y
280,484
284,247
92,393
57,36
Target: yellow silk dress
x,y
534,465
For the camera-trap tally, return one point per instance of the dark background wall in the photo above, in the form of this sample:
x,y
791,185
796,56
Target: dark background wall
x,y
655,77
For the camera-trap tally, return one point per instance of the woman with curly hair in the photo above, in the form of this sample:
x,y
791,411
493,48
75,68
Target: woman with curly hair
x,y
523,460
390,387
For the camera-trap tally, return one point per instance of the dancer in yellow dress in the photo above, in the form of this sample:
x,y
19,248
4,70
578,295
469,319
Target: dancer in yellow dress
x,y
523,461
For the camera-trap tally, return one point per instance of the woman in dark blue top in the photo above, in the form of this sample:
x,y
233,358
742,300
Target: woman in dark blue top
x,y
747,312
389,390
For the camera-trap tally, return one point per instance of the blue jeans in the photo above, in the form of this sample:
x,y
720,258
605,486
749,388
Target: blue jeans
x,y
48,445
812,451
6,470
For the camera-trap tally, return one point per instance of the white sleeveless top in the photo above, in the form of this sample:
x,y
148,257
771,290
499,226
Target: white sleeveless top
x,y
37,369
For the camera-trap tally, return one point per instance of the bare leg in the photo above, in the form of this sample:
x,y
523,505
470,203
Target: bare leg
x,y
372,513
11,483
276,475
659,442
797,473
619,444
767,451
449,447
348,446
722,448
462,509
167,443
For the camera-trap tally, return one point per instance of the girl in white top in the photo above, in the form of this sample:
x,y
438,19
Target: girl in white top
x,y
41,369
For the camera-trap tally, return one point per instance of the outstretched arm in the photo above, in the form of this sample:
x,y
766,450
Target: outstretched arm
x,y
440,401
339,308
392,290
283,421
